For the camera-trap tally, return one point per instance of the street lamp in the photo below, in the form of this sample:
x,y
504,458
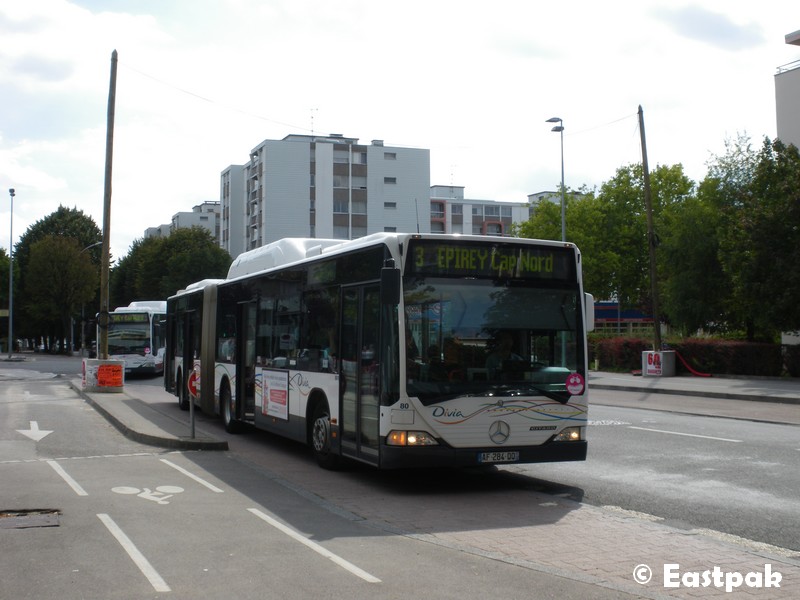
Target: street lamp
x,y
560,129
11,193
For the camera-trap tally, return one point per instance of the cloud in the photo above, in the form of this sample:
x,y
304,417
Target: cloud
x,y
714,29
40,68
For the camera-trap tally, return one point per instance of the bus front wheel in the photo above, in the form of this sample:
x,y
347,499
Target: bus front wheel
x,y
226,401
321,437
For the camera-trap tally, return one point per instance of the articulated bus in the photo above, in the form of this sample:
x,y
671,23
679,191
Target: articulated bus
x,y
135,336
396,350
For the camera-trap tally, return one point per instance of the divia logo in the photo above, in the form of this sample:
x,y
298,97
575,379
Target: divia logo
x,y
451,413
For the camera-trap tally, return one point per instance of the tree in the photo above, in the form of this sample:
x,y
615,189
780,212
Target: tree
x,y
694,285
65,222
60,278
156,268
758,196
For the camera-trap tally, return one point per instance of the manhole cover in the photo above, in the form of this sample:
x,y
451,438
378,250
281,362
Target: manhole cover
x,y
23,519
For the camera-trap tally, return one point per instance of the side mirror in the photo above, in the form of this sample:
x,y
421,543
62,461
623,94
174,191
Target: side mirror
x,y
390,283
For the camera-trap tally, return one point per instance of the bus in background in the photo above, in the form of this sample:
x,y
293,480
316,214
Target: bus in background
x,y
135,335
398,350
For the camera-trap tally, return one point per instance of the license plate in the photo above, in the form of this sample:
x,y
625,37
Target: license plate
x,y
498,457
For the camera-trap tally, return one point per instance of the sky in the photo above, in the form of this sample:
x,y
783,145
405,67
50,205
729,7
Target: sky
x,y
202,82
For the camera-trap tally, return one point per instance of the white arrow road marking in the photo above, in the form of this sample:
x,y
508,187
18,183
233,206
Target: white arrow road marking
x,y
34,432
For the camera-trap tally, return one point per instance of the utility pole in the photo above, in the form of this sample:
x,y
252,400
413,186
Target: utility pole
x,y
102,318
651,238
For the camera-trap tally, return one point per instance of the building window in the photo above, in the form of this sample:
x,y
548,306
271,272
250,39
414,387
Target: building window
x,y
390,205
390,180
491,211
437,227
390,229
359,207
390,155
477,211
341,232
505,211
340,181
437,210
340,207
457,209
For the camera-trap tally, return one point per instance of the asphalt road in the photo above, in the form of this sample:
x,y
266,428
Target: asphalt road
x,y
733,476
136,521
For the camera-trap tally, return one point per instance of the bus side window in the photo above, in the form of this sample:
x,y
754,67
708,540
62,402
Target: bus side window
x,y
226,338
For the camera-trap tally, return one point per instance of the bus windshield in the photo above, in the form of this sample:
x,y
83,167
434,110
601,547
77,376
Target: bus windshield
x,y
492,337
129,337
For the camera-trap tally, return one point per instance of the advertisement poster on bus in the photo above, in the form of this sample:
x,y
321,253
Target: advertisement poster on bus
x,y
275,394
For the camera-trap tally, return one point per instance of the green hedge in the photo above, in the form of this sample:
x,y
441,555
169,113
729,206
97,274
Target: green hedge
x,y
717,357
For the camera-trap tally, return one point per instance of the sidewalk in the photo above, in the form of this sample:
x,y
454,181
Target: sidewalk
x,y
141,413
754,399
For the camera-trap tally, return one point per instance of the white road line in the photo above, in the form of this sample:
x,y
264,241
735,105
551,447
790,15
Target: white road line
x,y
190,475
315,547
65,476
137,557
705,437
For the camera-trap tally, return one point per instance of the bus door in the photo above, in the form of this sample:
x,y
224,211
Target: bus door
x,y
190,349
246,361
359,369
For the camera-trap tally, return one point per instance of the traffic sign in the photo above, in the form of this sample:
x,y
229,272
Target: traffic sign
x,y
191,383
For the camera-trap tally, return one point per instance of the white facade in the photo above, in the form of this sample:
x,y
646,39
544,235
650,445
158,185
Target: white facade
x,y
787,97
205,215
328,187
231,193
451,212
160,231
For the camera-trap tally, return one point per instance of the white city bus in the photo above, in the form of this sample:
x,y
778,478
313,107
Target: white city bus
x,y
135,335
397,350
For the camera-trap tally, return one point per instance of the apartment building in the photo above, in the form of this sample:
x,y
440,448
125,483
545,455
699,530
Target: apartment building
x,y
232,203
451,212
787,97
205,215
325,187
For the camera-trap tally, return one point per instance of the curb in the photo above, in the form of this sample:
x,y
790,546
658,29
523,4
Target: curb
x,y
695,393
162,441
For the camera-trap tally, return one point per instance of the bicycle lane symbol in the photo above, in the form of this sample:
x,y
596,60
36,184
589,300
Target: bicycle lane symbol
x,y
160,495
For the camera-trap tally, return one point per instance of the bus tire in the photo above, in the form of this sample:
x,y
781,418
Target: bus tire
x,y
228,410
321,436
183,393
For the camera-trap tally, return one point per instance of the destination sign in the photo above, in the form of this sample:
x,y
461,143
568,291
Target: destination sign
x,y
474,259
130,318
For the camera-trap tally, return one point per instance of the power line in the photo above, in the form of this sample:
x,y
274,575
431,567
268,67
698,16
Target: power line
x,y
212,101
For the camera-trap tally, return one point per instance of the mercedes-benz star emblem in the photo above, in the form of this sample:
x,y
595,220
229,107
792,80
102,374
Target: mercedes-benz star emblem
x,y
499,431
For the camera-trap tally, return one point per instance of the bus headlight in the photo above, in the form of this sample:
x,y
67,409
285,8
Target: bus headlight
x,y
570,434
410,438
